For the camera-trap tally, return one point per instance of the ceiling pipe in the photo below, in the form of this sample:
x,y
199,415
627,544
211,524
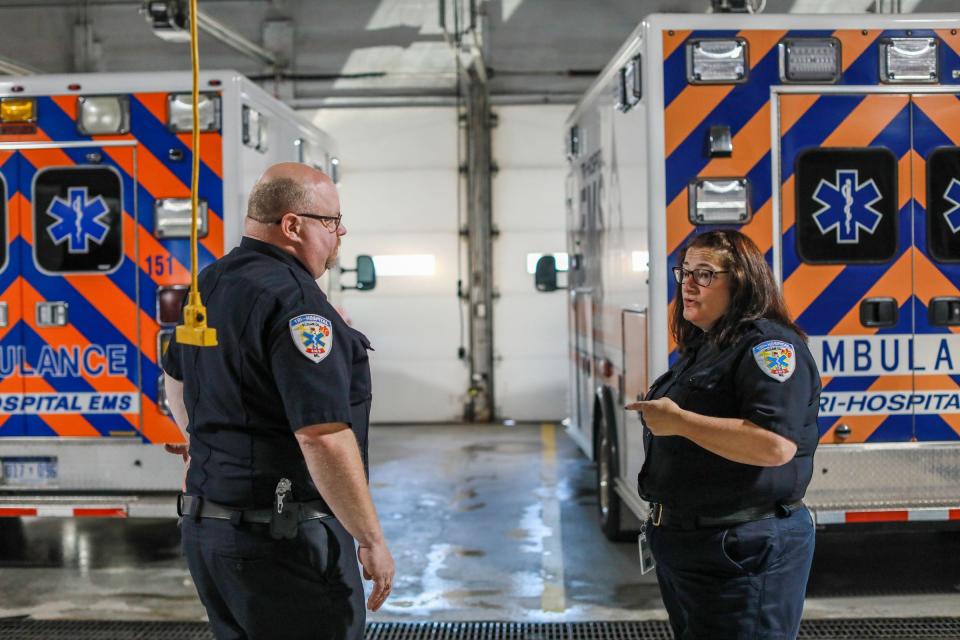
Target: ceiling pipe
x,y
231,38
12,68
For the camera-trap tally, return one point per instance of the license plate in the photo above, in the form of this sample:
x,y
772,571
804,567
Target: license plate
x,y
29,471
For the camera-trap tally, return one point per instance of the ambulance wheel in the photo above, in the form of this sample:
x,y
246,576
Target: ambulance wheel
x,y
611,508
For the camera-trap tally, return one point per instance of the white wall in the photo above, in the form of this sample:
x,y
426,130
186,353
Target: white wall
x,y
399,196
398,193
530,328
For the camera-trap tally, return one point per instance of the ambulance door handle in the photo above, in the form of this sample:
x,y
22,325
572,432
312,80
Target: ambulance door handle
x,y
944,311
879,312
52,314
4,315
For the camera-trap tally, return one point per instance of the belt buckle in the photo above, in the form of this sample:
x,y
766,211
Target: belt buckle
x,y
657,514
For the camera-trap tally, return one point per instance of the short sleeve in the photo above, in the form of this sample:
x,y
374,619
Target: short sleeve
x,y
310,357
172,360
775,386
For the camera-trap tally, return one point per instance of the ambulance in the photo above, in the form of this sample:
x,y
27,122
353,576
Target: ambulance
x,y
95,174
834,143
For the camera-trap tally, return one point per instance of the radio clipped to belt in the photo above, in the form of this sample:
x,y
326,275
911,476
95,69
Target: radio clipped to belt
x,y
285,517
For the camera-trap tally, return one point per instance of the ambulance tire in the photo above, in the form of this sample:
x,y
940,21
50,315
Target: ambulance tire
x,y
608,500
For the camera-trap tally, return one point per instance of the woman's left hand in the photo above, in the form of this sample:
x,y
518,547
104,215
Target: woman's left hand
x,y
662,416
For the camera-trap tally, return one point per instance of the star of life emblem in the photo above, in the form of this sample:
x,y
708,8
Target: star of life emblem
x,y
952,195
847,206
312,335
776,358
78,220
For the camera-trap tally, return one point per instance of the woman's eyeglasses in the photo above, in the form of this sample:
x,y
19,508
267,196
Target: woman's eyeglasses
x,y
702,277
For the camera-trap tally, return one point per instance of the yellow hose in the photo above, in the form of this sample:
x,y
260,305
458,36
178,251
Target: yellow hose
x,y
194,330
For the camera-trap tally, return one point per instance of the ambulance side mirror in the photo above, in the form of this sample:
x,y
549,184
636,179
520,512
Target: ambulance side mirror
x,y
366,274
545,275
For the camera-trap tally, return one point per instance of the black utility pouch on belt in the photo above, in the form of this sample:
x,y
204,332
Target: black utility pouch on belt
x,y
285,516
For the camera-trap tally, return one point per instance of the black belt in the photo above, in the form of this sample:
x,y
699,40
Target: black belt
x,y
662,516
198,507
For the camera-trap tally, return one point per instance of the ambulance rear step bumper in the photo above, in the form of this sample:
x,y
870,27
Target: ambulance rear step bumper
x,y
885,482
21,505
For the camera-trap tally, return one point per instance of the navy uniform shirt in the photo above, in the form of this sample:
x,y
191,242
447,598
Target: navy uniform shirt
x,y
285,360
745,380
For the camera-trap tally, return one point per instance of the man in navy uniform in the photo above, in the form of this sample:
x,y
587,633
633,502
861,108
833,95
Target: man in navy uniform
x,y
276,416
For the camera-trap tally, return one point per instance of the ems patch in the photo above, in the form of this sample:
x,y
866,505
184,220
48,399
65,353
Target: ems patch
x,y
776,358
313,336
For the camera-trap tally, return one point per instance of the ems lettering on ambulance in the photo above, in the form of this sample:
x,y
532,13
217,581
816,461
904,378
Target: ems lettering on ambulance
x,y
312,335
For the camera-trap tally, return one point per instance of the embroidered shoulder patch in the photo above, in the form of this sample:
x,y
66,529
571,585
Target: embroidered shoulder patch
x,y
776,358
313,336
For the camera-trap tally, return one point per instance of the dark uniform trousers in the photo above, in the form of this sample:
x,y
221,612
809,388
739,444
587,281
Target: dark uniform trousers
x,y
745,582
258,588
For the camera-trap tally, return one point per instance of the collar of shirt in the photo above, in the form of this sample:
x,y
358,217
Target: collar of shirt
x,y
268,249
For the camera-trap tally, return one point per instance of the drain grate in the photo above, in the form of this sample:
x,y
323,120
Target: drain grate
x,y
844,629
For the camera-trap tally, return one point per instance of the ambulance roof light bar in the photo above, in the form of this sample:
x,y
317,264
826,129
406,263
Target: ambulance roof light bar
x,y
909,60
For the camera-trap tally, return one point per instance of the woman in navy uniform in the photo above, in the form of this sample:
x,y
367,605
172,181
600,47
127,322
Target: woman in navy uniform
x,y
729,434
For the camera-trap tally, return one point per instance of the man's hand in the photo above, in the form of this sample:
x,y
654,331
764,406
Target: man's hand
x,y
378,566
662,416
182,450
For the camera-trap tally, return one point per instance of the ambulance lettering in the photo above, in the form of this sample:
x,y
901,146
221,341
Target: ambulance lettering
x,y
78,220
847,206
928,354
92,361
952,195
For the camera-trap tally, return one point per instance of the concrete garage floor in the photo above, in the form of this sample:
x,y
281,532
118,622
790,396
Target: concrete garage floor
x,y
486,523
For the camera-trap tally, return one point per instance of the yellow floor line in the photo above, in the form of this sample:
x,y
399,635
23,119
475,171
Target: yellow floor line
x,y
554,595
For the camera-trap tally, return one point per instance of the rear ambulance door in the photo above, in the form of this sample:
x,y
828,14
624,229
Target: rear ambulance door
x,y
79,295
847,258
936,193
11,385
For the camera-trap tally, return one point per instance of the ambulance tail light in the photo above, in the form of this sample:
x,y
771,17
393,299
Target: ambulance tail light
x,y
719,201
171,218
180,112
909,60
717,61
170,304
103,115
18,110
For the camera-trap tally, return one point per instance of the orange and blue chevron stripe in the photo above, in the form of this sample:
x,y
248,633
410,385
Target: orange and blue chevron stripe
x,y
106,354
825,298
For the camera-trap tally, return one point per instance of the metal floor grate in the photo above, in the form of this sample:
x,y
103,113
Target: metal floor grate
x,y
844,629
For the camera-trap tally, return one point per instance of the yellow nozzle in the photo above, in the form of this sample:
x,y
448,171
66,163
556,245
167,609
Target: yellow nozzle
x,y
194,330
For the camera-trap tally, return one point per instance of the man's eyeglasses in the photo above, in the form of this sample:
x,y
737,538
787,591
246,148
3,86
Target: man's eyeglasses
x,y
702,277
322,219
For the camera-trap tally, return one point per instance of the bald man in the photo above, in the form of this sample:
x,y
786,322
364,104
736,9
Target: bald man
x,y
276,417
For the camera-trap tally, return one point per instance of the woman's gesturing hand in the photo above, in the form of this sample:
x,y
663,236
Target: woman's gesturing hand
x,y
662,416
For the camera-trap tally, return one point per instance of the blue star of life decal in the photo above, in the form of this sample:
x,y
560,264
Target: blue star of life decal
x,y
78,220
847,206
952,195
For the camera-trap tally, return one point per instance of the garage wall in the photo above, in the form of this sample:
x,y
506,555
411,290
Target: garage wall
x,y
530,328
398,193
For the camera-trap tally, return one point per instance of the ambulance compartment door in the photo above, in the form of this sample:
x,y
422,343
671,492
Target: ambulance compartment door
x,y
635,385
846,255
581,301
11,328
936,202
79,291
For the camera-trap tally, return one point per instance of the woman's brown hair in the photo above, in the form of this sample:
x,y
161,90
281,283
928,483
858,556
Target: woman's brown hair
x,y
753,292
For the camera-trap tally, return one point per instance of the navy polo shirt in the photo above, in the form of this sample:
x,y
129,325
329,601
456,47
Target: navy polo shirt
x,y
285,360
738,381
